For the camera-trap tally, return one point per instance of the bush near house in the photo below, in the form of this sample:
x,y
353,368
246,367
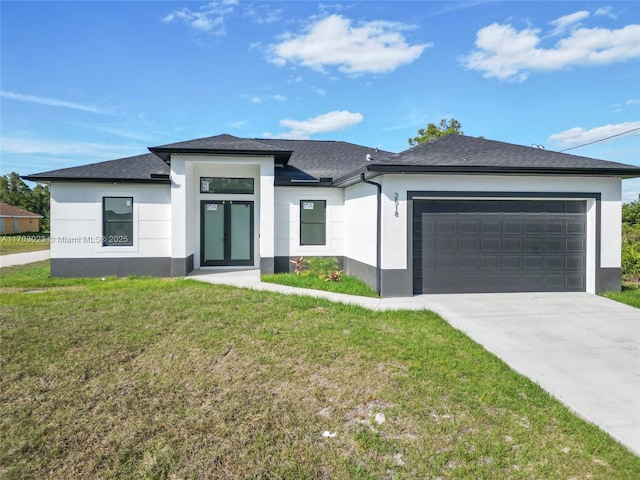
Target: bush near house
x,y
631,243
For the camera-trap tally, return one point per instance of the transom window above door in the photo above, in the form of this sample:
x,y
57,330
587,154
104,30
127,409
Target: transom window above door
x,y
226,185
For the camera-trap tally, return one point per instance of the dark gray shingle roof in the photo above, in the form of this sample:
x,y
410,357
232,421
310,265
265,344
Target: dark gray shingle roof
x,y
146,168
460,151
315,160
224,142
322,158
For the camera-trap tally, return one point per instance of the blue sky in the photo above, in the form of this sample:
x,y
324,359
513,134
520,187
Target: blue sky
x,y
83,82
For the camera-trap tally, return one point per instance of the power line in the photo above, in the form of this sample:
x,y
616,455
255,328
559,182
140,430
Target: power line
x,y
601,140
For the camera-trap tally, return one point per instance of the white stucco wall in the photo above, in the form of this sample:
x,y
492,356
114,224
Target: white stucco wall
x,y
360,213
394,248
287,221
186,171
76,220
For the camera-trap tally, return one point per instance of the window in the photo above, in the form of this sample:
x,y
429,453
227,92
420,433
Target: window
x,y
226,185
313,222
117,216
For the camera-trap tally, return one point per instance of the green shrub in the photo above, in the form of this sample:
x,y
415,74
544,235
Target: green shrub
x,y
631,213
630,250
322,266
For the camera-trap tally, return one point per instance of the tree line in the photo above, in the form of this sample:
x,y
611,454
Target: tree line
x,y
14,191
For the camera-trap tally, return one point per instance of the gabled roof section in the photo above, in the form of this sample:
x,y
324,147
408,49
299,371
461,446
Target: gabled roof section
x,y
147,168
222,145
462,154
7,210
321,160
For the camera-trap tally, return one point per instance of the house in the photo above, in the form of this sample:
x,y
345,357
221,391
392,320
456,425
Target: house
x,y
458,214
17,220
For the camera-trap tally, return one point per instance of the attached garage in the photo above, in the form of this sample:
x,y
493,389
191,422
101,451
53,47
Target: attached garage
x,y
499,245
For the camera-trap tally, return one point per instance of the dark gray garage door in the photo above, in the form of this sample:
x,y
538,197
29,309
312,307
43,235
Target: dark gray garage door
x,y
463,246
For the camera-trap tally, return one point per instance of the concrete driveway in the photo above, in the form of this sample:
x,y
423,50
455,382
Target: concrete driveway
x,y
581,348
23,258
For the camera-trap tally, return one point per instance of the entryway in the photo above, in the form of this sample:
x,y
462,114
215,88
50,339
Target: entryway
x,y
226,233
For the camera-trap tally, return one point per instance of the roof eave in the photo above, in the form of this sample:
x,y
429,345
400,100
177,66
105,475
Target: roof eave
x,y
492,170
281,156
157,181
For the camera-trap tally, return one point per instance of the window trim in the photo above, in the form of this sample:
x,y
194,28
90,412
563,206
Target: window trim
x,y
105,238
324,222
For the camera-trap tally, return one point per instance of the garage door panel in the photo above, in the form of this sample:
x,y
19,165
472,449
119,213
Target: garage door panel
x,y
469,262
533,262
489,245
576,244
511,245
490,226
534,226
511,226
576,207
445,244
511,283
576,282
489,263
468,245
553,262
504,245
554,282
533,245
444,226
554,226
446,263
555,244
576,227
532,283
468,227
512,263
575,263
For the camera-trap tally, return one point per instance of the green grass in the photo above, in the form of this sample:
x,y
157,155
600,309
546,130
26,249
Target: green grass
x,y
156,378
26,242
629,295
347,284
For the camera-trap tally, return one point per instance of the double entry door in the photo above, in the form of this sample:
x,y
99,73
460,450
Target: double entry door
x,y
226,233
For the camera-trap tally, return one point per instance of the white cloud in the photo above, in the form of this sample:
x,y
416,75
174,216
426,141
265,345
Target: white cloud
x,y
52,102
509,54
605,12
579,136
328,122
263,13
210,18
259,99
562,24
370,47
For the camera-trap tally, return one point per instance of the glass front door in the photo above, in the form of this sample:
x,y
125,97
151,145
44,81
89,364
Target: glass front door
x,y
226,233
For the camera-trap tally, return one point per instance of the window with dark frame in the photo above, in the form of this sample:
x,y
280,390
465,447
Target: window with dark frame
x,y
313,222
117,221
243,186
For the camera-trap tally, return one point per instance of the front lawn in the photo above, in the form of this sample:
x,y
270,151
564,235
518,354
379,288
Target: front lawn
x,y
629,295
157,378
26,242
347,284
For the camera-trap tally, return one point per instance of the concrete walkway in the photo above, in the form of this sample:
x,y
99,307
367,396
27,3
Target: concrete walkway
x,y
23,258
581,348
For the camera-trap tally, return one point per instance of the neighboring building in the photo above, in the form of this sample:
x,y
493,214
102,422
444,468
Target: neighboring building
x,y
17,220
458,214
